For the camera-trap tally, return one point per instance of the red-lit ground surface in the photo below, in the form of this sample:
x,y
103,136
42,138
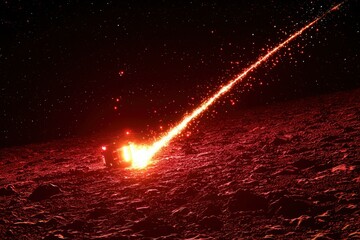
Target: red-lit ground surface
x,y
287,171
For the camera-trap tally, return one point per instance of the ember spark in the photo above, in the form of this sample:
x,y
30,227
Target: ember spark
x,y
140,155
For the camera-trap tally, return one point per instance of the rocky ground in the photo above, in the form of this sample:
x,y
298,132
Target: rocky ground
x,y
286,171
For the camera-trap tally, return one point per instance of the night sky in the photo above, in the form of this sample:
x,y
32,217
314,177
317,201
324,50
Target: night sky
x,y
79,67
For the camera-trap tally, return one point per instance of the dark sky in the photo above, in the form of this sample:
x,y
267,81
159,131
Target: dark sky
x,y
78,67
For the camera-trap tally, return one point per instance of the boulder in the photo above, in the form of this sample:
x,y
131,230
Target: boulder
x,y
7,191
44,191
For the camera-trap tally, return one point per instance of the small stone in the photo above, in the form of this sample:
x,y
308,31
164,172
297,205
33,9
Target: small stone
x,y
322,236
325,197
7,191
303,221
355,235
44,191
324,215
269,236
54,236
182,211
347,209
341,167
277,229
24,224
50,222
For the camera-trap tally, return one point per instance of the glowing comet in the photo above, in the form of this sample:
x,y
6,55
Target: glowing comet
x,y
140,155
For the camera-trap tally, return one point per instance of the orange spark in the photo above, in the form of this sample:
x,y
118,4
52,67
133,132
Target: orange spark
x,y
141,155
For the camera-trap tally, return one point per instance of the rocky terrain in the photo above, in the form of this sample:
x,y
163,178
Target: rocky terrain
x,y
285,171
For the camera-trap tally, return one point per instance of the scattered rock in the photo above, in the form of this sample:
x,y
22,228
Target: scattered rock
x,y
7,191
286,171
277,141
182,211
342,167
325,197
303,221
276,194
55,236
260,169
25,224
355,235
111,236
323,216
152,191
212,222
44,191
290,207
51,222
325,235
194,196
269,236
303,163
347,209
244,200
277,229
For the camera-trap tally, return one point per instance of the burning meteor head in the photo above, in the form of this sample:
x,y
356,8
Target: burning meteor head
x,y
129,155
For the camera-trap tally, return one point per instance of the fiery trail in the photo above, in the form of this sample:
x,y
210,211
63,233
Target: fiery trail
x,y
140,155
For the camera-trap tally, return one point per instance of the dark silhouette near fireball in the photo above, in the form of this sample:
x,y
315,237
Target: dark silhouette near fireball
x,y
110,155
112,158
